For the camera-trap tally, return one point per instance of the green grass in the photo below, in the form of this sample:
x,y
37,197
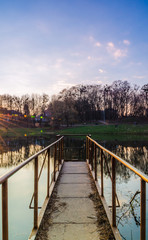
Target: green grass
x,y
110,132
108,129
99,132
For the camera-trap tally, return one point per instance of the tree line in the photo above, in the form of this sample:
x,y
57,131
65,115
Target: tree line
x,y
83,103
90,103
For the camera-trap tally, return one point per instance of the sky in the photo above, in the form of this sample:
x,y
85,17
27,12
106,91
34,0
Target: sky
x,y
49,45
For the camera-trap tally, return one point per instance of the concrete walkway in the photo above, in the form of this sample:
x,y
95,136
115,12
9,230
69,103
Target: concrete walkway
x,y
75,210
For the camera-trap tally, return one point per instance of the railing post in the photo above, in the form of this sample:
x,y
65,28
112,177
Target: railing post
x,y
143,211
102,181
90,153
55,155
60,151
36,193
92,160
113,192
48,173
5,210
62,148
88,149
58,155
95,157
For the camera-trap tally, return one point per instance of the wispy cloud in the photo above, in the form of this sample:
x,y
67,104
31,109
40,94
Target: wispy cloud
x,y
139,77
97,44
126,42
110,45
117,53
101,70
89,58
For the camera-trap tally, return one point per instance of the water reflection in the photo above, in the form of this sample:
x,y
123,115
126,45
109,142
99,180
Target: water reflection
x,y
127,185
136,153
127,182
14,152
21,184
74,149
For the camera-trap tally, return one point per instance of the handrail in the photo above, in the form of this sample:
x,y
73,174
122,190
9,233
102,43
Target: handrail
x,y
4,181
114,157
7,175
128,165
73,135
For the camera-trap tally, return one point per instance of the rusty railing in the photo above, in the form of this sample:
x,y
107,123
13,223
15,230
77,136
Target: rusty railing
x,y
58,156
91,146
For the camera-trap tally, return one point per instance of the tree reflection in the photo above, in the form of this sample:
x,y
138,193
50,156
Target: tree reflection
x,y
136,153
130,209
16,151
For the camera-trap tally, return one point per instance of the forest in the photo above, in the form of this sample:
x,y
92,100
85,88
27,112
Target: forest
x,y
78,104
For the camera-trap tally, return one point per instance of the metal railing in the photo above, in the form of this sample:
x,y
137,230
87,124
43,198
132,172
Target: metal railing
x,y
91,146
58,156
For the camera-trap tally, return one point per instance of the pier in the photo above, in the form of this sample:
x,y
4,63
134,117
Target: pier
x,y
74,206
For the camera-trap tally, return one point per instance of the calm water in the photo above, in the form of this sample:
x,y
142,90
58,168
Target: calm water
x,y
20,186
128,185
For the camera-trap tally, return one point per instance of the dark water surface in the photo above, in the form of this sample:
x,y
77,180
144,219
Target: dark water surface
x,y
20,186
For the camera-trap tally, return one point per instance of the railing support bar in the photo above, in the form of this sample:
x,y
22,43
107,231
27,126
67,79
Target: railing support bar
x,y
48,173
60,151
95,157
92,164
55,155
88,149
62,148
36,193
143,211
102,182
58,155
113,192
5,210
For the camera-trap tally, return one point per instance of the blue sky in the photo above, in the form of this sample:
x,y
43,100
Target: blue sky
x,y
48,45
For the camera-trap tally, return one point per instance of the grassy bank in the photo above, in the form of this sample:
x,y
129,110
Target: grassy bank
x,y
101,132
23,132
111,132
108,129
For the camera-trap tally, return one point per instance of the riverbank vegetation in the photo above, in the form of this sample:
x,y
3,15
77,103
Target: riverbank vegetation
x,y
111,132
24,132
121,131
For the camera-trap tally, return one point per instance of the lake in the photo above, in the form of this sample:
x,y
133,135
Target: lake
x,y
21,185
127,183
